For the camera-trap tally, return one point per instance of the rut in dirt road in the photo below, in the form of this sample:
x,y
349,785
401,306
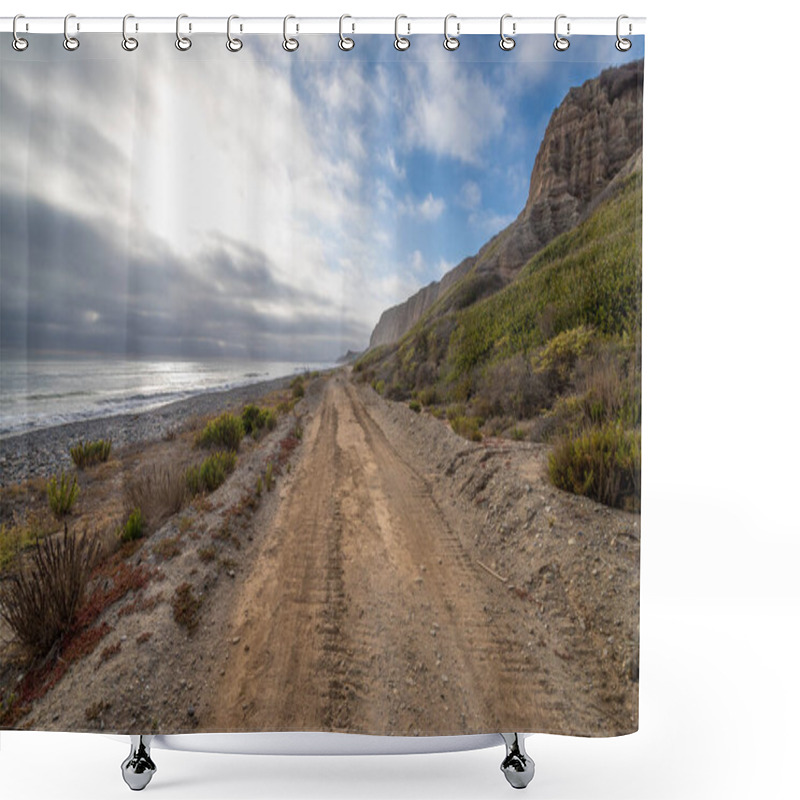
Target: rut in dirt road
x,y
365,613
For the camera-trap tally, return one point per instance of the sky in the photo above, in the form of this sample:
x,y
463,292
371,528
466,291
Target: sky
x,y
263,204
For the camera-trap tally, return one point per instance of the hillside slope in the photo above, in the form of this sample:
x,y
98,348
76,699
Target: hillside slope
x,y
591,136
553,356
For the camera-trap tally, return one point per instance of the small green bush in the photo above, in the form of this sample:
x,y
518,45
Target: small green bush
x,y
298,390
62,491
427,396
455,411
379,386
603,462
415,406
468,427
250,419
211,474
85,454
269,477
225,431
133,528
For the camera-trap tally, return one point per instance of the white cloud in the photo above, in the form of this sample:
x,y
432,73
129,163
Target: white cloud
x,y
429,209
452,111
390,159
470,195
417,262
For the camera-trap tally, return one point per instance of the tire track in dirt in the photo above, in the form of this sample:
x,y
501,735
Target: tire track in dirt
x,y
366,614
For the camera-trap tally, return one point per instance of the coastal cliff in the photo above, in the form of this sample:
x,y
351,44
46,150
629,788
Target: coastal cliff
x,y
590,139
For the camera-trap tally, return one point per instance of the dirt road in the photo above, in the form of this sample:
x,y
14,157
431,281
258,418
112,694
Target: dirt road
x,y
366,613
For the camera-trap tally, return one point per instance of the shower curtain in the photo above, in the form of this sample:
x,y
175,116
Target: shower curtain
x,y
320,376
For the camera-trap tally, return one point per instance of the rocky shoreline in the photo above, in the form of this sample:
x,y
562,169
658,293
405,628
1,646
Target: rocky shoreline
x,y
42,452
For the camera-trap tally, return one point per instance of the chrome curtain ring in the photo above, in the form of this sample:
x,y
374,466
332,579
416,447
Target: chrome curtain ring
x,y
345,42
18,43
289,44
182,42
623,45
129,43
560,44
400,42
70,42
451,42
233,44
506,42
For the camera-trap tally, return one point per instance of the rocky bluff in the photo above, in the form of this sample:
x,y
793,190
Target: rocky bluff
x,y
593,136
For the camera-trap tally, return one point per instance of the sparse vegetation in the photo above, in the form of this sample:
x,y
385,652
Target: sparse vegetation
x,y
269,477
468,427
225,431
89,453
415,406
62,491
255,420
207,554
40,598
168,547
603,462
15,537
133,528
109,652
186,607
211,474
557,349
159,491
297,387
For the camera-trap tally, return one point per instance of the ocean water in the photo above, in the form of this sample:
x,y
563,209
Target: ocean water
x,y
38,393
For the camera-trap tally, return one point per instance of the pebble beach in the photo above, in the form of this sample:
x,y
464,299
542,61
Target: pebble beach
x,y
45,451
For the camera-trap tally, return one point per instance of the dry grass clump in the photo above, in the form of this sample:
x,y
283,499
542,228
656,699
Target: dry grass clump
x,y
468,427
186,607
40,598
85,454
158,491
62,491
168,548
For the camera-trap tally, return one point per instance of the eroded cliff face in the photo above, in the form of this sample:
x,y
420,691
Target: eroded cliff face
x,y
594,134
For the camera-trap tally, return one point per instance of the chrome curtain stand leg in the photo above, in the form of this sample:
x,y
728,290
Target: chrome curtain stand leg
x,y
138,768
517,766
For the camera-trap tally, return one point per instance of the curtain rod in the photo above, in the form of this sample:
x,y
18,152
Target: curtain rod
x,y
570,26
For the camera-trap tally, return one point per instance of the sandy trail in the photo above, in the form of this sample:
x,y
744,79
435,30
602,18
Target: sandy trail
x,y
365,613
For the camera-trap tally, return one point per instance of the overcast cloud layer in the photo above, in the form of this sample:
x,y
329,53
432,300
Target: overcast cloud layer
x,y
256,205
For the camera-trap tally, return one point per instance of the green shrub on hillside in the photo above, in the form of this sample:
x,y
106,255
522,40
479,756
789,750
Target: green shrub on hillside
x,y
133,528
225,431
255,419
603,462
468,427
211,474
